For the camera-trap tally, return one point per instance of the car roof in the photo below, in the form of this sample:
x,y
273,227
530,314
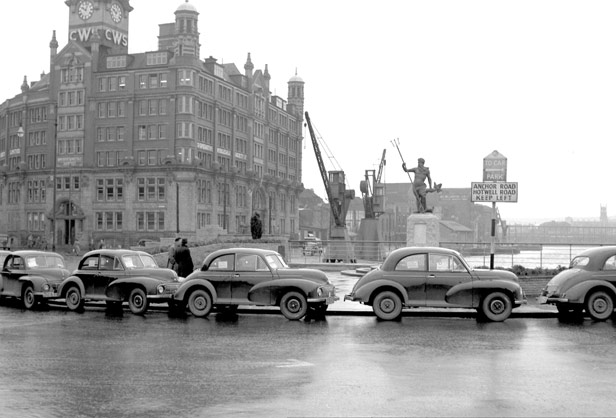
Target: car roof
x,y
248,250
396,255
115,252
597,256
24,253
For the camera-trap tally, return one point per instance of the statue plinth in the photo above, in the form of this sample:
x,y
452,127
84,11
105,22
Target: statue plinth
x,y
423,230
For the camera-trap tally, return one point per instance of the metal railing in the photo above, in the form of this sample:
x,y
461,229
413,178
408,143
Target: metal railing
x,y
528,255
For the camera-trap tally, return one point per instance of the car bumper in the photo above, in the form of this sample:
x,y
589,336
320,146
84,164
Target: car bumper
x,y
164,296
47,295
544,300
326,300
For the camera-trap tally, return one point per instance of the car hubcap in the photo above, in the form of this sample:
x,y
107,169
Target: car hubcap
x,y
387,305
200,303
72,298
29,298
497,306
138,301
599,305
294,306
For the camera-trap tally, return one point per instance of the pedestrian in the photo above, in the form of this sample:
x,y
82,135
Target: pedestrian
x,y
171,255
76,248
183,259
101,244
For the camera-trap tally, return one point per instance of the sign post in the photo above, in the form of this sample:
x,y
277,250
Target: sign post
x,y
494,188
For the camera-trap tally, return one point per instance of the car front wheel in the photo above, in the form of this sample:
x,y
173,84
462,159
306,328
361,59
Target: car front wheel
x,y
138,301
387,305
73,299
200,303
599,305
496,307
27,298
293,306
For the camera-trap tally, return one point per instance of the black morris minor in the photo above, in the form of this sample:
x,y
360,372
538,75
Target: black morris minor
x,y
32,276
436,277
115,276
250,276
589,284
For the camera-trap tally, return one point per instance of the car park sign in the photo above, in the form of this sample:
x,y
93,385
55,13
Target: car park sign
x,y
495,167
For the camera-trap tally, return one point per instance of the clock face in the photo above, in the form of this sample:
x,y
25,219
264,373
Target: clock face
x,y
116,12
85,9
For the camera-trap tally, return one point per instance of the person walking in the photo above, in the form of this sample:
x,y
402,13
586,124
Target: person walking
x,y
183,259
171,255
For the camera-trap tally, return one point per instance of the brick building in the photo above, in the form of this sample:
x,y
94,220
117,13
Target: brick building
x,y
125,147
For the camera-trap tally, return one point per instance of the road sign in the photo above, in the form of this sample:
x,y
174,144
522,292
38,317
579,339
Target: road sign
x,y
494,192
495,167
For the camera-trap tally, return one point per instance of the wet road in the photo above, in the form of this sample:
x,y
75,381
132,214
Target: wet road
x,y
58,363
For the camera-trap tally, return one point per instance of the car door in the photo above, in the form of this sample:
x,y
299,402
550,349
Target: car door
x,y
96,274
219,274
444,272
250,270
411,272
14,268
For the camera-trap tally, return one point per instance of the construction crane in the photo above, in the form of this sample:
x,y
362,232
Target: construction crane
x,y
373,192
339,198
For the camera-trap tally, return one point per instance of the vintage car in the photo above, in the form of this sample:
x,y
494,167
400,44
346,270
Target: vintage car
x,y
436,277
32,276
250,276
589,284
115,276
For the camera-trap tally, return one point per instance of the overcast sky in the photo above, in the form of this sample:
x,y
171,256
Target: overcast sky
x,y
452,80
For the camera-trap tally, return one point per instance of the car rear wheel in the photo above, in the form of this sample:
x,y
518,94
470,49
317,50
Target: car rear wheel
x,y
200,303
293,306
73,299
27,297
138,301
599,305
387,305
496,307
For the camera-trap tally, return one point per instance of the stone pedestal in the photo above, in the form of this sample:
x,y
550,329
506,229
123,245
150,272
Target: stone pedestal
x,y
422,230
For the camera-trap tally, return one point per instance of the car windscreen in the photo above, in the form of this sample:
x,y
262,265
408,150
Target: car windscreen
x,y
275,262
138,261
44,261
579,261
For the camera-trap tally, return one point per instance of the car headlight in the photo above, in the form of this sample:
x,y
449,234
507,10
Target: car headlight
x,y
46,287
160,288
320,292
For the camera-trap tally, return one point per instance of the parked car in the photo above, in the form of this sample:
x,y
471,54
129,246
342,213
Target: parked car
x,y
589,284
250,276
436,277
32,276
115,276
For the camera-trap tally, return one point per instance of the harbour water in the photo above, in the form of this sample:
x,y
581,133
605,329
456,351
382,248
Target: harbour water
x,y
549,257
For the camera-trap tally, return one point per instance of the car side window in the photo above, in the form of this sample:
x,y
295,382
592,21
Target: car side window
x,y
261,264
106,262
246,262
222,263
443,262
90,263
610,263
17,263
414,262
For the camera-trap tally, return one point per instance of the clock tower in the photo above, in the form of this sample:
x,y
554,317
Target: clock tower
x,y
102,21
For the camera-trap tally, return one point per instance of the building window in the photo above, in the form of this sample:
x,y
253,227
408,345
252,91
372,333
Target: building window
x,y
110,190
109,221
151,189
150,221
